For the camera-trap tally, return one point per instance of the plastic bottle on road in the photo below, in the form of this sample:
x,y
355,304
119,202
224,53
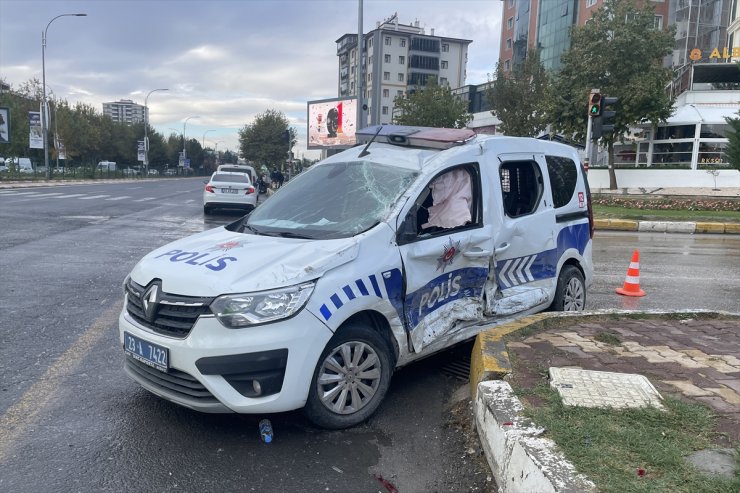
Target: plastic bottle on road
x,y
266,430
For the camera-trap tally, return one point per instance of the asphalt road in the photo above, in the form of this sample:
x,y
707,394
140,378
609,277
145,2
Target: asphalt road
x,y
70,420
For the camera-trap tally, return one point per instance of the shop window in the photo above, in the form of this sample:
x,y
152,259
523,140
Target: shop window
x,y
675,132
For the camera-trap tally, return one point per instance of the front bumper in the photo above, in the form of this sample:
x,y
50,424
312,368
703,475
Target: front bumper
x,y
213,369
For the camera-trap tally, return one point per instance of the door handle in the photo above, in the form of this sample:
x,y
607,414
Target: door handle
x,y
476,253
503,247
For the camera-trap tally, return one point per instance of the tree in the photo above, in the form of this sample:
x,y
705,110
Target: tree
x,y
620,52
519,99
261,141
431,106
733,146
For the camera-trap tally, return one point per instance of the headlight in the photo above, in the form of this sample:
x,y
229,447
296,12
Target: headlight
x,y
242,310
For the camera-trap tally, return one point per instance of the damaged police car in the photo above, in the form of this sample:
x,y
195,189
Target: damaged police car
x,y
371,259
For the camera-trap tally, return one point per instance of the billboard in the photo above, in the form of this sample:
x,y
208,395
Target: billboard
x,y
331,123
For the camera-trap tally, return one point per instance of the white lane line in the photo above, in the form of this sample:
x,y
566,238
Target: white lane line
x,y
71,196
94,197
20,417
188,201
46,195
120,198
145,199
26,193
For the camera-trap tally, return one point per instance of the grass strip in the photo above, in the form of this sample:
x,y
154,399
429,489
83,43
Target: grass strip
x,y
609,212
635,450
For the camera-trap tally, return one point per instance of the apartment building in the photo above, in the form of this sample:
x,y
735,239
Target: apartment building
x,y
125,111
701,28
398,58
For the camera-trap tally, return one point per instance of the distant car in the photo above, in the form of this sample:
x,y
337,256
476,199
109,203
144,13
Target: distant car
x,y
130,172
153,172
228,190
170,172
3,168
240,168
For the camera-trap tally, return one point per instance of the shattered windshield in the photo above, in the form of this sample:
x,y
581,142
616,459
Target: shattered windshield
x,y
336,200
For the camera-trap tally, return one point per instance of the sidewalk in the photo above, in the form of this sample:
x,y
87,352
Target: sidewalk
x,y
693,356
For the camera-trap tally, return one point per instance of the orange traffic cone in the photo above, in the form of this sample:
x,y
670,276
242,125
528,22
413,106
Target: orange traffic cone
x,y
632,281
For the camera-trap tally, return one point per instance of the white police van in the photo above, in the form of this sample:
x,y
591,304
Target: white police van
x,y
369,260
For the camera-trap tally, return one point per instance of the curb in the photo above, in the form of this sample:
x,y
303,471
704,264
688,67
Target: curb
x,y
666,226
520,459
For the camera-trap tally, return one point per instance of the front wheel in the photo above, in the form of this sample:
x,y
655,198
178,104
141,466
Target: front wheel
x,y
351,378
570,294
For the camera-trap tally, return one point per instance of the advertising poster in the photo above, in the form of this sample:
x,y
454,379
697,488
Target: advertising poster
x,y
140,150
59,145
331,123
4,126
35,136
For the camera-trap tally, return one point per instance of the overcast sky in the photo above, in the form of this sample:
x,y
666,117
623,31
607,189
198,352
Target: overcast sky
x,y
225,61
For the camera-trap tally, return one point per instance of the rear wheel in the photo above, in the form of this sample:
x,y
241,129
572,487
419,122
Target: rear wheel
x,y
351,378
206,209
570,294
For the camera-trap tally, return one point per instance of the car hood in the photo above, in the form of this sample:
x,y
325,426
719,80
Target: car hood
x,y
219,261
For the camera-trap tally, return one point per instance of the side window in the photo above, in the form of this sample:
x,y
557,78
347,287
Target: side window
x,y
563,174
450,202
522,187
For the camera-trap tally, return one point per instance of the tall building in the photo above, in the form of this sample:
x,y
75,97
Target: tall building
x,y
125,111
398,58
700,25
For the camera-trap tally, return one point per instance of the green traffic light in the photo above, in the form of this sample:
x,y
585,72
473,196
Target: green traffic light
x,y
595,109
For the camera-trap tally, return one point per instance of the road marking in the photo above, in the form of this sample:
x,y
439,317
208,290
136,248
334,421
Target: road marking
x,y
145,199
25,193
71,196
94,197
120,198
20,416
39,195
188,201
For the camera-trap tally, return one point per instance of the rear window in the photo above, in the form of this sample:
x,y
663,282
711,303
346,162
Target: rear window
x,y
563,178
235,178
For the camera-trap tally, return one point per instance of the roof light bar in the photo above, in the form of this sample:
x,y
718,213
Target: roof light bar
x,y
428,137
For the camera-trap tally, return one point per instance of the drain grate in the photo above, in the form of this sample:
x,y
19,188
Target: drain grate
x,y
459,369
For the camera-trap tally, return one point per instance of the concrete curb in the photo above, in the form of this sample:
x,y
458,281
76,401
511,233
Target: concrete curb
x,y
666,226
520,459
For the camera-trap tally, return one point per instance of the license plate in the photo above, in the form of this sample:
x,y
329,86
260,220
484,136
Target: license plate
x,y
146,352
229,190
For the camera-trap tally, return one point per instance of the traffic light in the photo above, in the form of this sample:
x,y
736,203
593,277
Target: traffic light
x,y
594,103
608,115
285,136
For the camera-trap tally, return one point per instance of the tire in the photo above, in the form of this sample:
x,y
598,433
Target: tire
x,y
335,385
206,210
570,294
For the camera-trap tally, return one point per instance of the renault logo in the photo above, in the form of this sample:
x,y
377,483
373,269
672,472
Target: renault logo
x,y
151,301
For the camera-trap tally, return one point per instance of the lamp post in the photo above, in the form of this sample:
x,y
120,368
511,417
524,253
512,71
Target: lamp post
x,y
44,117
216,151
203,141
146,131
184,155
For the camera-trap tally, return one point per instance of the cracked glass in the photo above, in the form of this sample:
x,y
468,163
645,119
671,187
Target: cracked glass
x,y
333,200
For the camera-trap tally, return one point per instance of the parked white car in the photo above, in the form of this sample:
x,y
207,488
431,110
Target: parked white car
x,y
369,260
227,190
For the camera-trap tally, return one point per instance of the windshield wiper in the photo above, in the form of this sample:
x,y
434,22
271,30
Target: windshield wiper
x,y
289,234
251,228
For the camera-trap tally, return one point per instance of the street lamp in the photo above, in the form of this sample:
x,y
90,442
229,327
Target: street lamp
x,y
146,131
216,150
184,155
44,123
203,142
